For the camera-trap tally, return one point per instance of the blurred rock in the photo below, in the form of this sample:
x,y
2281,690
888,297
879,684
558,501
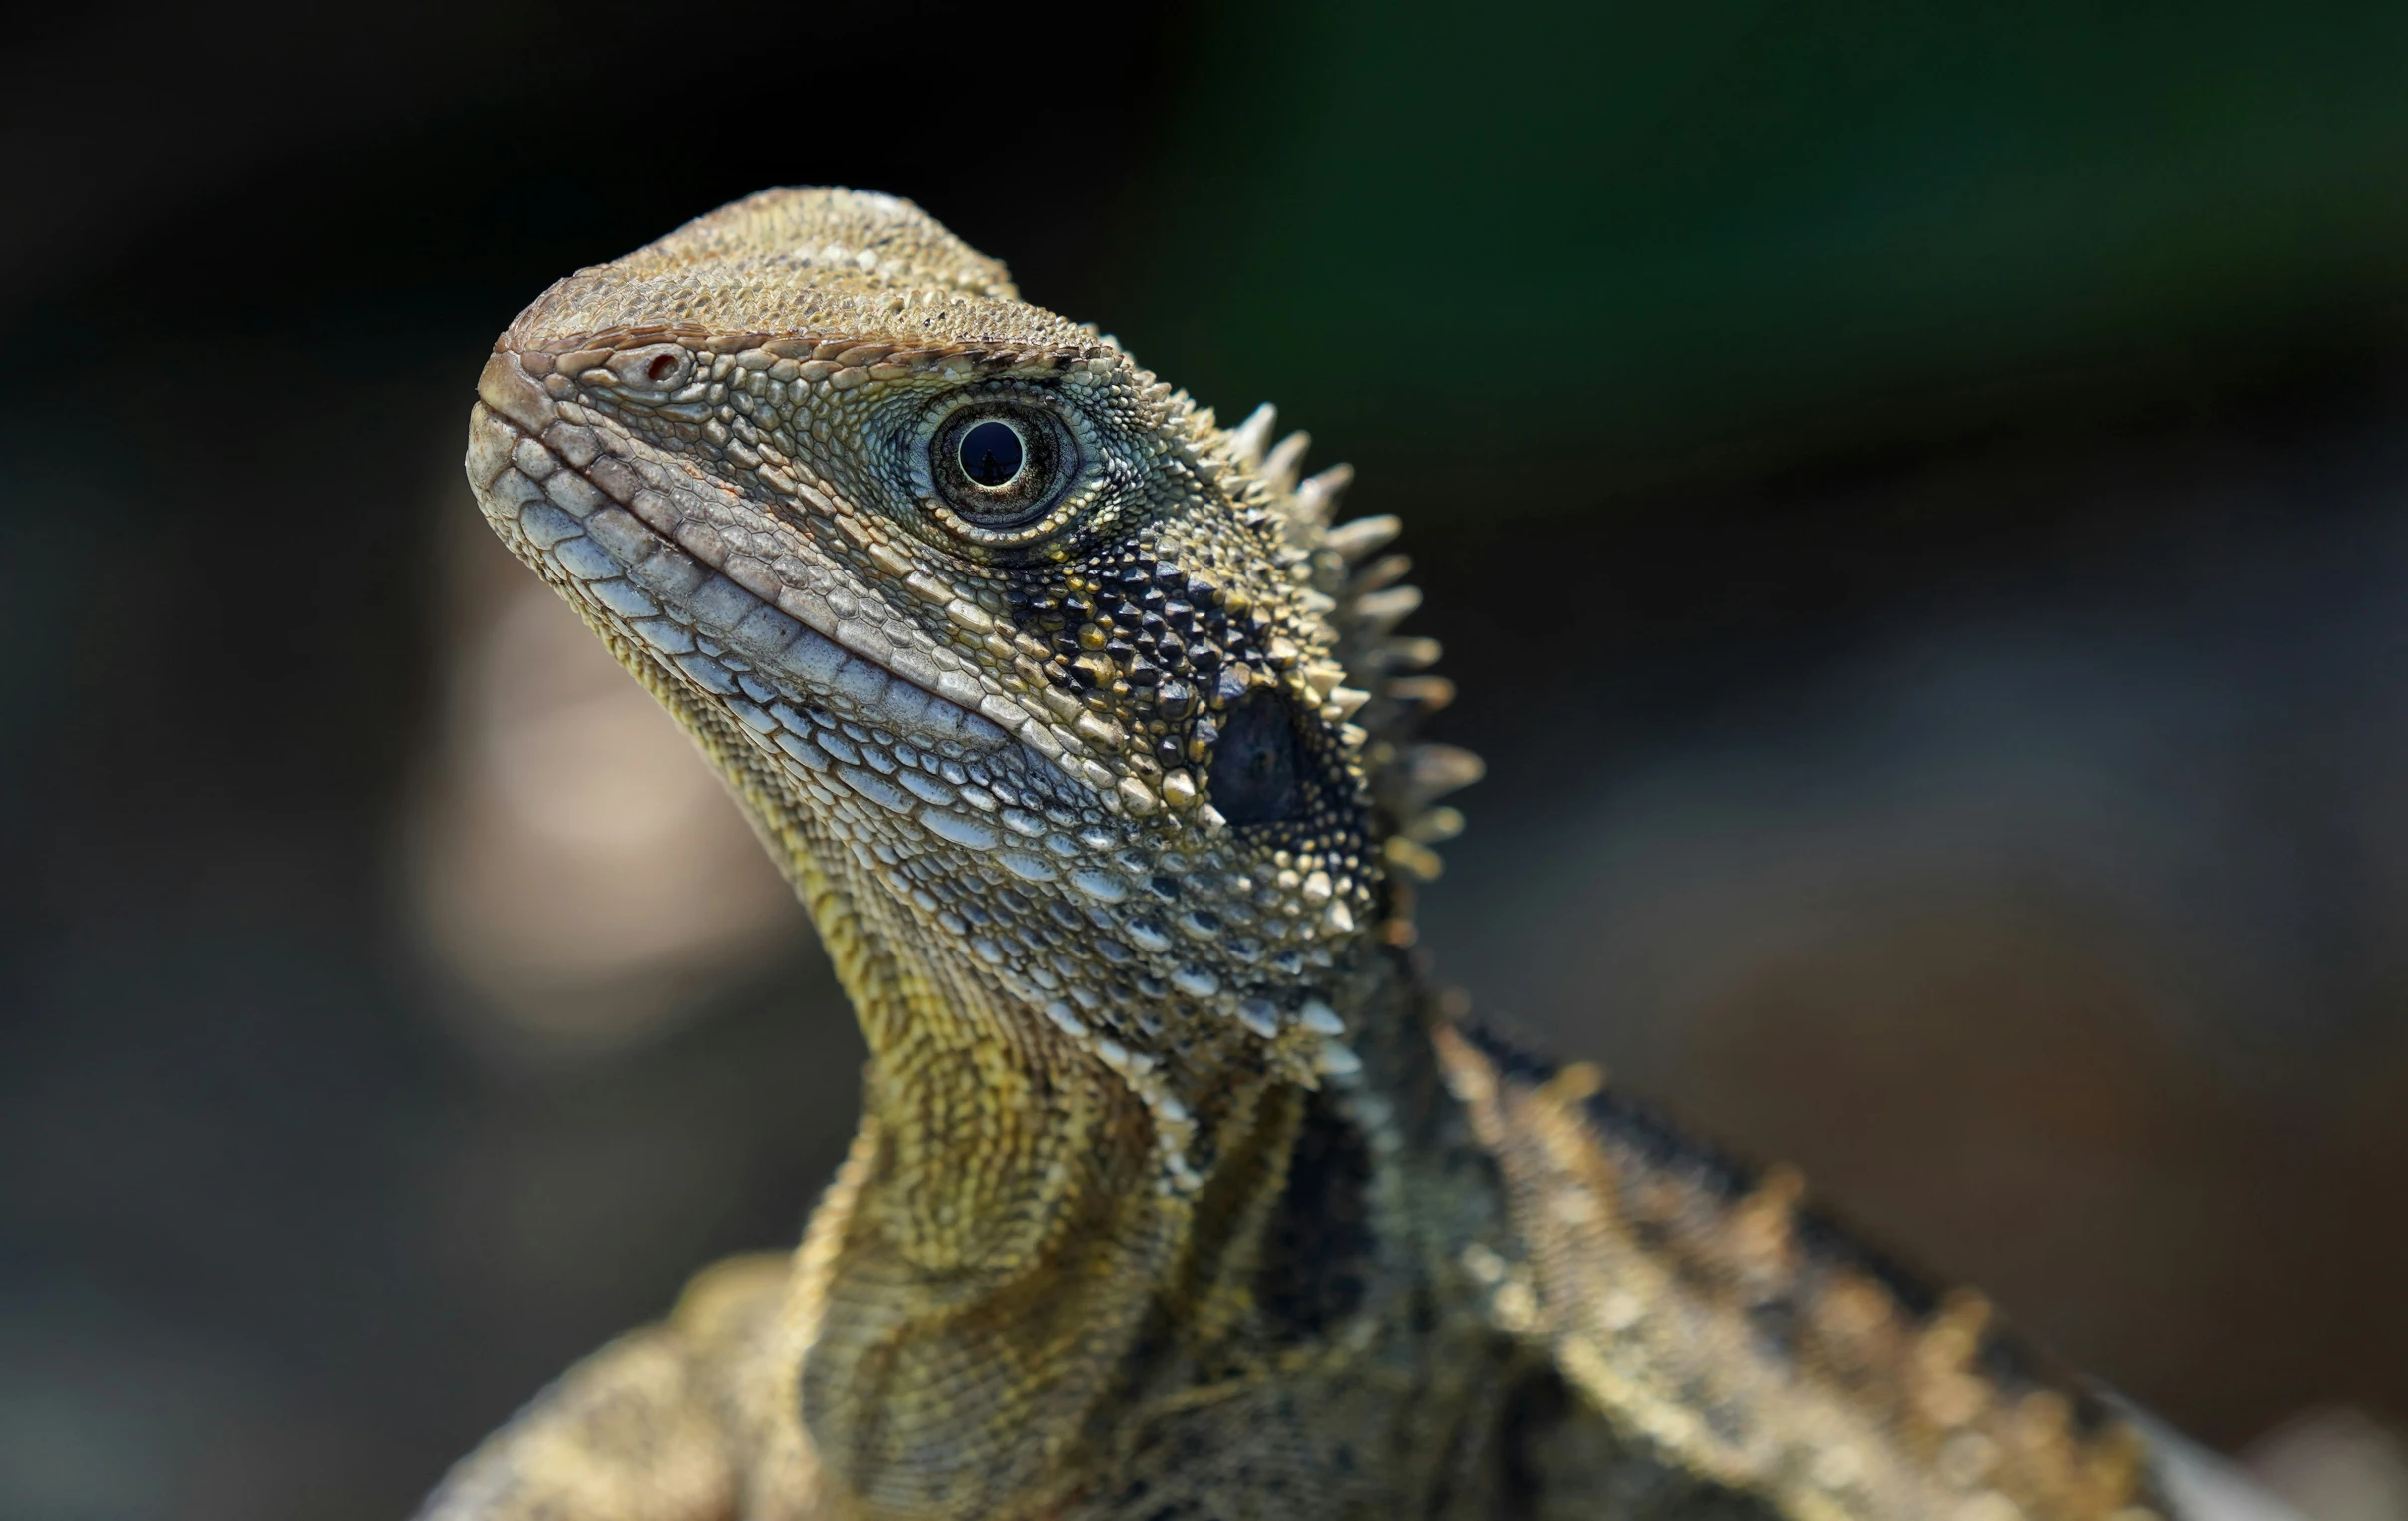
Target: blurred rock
x,y
2335,1464
575,864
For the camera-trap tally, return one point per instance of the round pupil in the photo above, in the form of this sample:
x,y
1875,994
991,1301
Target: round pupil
x,y
991,452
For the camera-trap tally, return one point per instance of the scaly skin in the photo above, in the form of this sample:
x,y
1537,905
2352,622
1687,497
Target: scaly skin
x,y
1176,1194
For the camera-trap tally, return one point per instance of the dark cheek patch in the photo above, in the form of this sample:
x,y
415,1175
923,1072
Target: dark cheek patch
x,y
1319,1248
1152,645
1258,768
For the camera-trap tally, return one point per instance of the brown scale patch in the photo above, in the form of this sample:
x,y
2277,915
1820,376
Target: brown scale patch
x,y
1697,1305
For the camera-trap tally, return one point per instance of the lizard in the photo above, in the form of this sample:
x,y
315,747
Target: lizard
x,y
1087,739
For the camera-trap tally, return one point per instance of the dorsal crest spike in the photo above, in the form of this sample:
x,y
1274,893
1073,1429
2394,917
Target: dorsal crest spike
x,y
1380,612
1352,541
1386,570
1279,466
1425,772
1378,696
1247,440
1317,496
1434,826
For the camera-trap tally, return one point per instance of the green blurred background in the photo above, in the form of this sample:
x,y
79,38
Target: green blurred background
x,y
1688,226
1915,498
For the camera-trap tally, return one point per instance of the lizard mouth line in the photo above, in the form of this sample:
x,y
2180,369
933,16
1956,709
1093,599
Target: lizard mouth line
x,y
683,608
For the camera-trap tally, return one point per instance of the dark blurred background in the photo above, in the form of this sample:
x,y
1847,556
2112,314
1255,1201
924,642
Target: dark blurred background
x,y
1917,500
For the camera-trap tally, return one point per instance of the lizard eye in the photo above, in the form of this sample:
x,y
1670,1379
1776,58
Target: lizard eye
x,y
992,454
999,471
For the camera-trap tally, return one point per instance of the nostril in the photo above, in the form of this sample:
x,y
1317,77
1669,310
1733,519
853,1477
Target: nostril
x,y
662,365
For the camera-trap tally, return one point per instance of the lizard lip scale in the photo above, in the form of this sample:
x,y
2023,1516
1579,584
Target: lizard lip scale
x,y
563,514
826,684
741,605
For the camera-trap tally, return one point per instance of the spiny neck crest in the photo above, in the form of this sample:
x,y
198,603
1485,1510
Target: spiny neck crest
x,y
1126,741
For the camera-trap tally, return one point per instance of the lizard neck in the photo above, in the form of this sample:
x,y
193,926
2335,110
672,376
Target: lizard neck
x,y
1010,1277
1009,1270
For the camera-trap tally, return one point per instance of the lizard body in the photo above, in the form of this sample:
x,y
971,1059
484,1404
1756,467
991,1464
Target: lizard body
x,y
1088,742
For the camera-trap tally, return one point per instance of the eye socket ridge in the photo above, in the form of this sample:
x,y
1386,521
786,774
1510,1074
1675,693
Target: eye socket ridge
x,y
999,470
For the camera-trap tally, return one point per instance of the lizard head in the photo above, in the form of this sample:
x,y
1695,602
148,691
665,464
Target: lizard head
x,y
1053,697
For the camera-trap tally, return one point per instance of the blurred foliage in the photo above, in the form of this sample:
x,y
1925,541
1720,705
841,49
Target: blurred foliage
x,y
1620,230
